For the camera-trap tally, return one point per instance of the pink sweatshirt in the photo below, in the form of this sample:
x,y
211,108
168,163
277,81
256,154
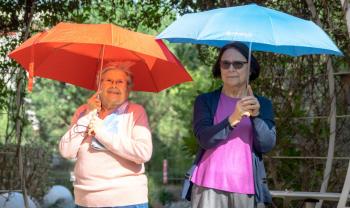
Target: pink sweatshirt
x,y
113,177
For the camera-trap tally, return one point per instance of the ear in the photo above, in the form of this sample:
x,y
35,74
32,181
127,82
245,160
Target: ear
x,y
130,86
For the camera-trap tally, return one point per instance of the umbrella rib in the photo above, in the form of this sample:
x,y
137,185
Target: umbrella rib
x,y
101,57
272,28
204,28
155,84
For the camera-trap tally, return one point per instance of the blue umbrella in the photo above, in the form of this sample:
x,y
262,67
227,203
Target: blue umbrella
x,y
261,28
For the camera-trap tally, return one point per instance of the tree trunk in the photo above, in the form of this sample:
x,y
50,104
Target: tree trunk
x,y
345,6
29,9
346,79
332,113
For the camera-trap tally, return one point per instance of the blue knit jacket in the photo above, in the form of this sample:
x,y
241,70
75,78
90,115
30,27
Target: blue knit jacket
x,y
209,135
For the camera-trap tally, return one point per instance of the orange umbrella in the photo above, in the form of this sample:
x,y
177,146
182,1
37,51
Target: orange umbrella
x,y
74,53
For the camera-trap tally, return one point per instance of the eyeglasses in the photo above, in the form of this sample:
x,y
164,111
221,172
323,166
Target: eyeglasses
x,y
117,82
236,64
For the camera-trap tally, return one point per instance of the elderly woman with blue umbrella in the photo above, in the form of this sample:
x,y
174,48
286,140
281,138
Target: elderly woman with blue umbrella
x,y
233,126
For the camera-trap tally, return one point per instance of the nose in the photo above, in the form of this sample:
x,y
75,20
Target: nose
x,y
231,67
114,84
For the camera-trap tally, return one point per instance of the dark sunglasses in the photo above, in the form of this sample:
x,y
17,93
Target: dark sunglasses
x,y
236,64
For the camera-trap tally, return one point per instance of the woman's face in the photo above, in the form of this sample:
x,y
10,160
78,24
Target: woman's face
x,y
114,86
234,68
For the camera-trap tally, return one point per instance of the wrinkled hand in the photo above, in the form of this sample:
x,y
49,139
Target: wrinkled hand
x,y
250,103
247,106
95,122
94,102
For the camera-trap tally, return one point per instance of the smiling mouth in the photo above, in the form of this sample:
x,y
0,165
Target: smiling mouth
x,y
113,92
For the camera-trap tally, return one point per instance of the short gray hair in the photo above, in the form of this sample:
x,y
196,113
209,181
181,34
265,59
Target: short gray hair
x,y
121,66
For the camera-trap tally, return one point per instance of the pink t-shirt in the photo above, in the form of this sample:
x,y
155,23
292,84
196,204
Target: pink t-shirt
x,y
228,166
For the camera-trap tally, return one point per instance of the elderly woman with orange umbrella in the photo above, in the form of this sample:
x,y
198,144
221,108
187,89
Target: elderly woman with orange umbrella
x,y
109,136
110,148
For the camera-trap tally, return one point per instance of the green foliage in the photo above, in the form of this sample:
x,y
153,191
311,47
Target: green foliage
x,y
135,15
158,194
152,191
165,196
8,84
36,162
54,104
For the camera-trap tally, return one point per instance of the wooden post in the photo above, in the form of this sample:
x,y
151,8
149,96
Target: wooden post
x,y
165,171
332,113
345,6
346,190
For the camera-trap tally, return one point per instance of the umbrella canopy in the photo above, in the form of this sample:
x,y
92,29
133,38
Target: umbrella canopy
x,y
74,53
265,29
